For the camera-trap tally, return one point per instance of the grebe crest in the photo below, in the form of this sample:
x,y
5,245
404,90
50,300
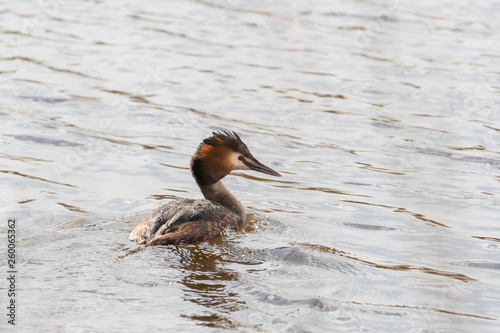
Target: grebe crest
x,y
220,154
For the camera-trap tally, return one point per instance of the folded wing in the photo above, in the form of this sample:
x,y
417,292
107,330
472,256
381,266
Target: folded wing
x,y
183,221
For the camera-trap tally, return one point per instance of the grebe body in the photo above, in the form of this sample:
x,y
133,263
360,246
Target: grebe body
x,y
193,220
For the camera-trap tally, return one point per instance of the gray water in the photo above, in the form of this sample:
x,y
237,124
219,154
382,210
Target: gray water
x,y
381,117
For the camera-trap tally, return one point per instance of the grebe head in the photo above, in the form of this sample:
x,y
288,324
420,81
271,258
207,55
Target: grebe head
x,y
222,153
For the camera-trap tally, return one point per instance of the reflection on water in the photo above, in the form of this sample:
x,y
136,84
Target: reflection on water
x,y
206,283
380,117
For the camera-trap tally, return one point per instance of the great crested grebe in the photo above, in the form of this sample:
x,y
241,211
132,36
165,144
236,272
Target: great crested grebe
x,y
190,220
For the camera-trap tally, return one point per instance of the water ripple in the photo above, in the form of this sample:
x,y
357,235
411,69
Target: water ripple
x,y
379,116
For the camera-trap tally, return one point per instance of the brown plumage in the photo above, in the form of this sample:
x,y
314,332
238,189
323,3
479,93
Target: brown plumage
x,y
190,220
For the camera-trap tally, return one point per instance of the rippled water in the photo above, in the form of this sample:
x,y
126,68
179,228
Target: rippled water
x,y
382,118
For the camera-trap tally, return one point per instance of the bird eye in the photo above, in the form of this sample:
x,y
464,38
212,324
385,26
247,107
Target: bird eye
x,y
241,158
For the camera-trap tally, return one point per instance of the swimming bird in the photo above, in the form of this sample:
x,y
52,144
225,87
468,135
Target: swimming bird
x,y
194,220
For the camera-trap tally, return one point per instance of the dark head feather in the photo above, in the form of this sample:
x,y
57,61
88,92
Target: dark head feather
x,y
221,153
207,163
228,139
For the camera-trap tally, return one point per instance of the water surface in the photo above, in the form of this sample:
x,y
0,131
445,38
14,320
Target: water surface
x,y
382,118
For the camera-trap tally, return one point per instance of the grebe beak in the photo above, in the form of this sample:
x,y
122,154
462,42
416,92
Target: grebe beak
x,y
257,166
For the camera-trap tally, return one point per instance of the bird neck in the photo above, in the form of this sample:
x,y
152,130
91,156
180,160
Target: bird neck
x,y
219,193
211,186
